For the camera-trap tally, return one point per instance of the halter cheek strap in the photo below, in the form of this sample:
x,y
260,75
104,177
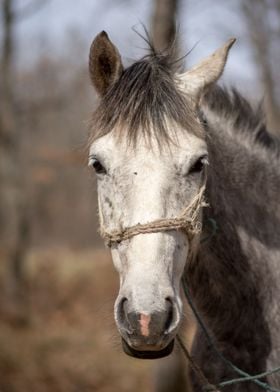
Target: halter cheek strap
x,y
187,221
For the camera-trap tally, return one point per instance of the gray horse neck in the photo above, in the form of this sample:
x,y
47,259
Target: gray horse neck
x,y
231,281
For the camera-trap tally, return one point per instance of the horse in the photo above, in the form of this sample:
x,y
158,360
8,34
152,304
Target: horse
x,y
172,153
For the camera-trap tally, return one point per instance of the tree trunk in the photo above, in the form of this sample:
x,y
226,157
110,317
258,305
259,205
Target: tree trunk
x,y
256,13
164,24
13,222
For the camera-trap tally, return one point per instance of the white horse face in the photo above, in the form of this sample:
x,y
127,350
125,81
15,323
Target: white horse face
x,y
139,185
143,183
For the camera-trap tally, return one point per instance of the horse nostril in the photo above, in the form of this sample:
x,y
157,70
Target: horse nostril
x,y
169,302
122,314
170,313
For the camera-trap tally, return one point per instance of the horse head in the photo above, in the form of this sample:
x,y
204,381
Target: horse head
x,y
149,153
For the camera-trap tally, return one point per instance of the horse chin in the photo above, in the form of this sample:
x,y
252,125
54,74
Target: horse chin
x,y
147,354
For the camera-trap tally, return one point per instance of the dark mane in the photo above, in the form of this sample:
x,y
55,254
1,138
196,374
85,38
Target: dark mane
x,y
144,97
231,105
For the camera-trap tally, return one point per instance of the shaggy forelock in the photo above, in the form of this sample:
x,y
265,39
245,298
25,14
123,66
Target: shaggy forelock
x,y
145,100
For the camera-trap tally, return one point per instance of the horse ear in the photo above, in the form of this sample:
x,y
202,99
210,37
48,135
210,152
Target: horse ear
x,y
105,65
196,81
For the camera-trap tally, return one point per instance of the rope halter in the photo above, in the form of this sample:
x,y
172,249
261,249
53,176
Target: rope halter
x,y
187,221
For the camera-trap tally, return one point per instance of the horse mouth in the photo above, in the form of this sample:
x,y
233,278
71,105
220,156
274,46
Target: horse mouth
x,y
147,354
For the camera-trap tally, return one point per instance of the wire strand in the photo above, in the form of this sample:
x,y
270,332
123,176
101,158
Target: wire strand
x,y
245,376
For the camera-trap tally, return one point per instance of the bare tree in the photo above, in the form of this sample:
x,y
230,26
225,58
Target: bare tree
x,y
13,219
257,14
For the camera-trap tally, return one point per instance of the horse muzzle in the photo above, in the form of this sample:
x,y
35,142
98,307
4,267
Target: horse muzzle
x,y
147,335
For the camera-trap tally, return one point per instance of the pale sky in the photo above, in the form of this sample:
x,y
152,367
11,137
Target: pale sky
x,y
206,23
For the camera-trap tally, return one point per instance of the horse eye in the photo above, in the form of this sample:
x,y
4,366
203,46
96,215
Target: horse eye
x,y
98,167
199,165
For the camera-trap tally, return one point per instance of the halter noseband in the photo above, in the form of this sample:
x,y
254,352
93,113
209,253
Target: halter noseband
x,y
187,221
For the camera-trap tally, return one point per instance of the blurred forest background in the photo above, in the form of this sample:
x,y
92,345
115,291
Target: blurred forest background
x,y
57,284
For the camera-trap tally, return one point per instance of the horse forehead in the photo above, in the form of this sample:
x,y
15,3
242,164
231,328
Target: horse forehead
x,y
181,145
